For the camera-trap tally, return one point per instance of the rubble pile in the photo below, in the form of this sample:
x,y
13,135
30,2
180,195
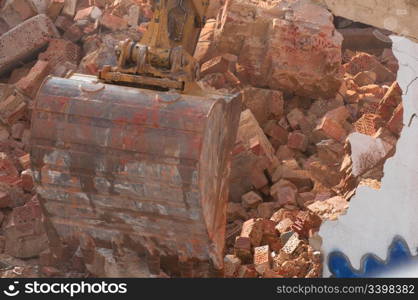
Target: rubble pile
x,y
38,39
314,126
317,121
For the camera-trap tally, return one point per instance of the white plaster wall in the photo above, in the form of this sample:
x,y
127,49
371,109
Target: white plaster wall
x,y
398,16
375,217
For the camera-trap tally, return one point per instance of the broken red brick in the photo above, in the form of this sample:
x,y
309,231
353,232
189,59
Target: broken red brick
x,y
73,33
63,23
4,199
13,108
297,141
339,114
69,8
258,179
284,152
395,124
253,229
8,171
251,200
294,118
51,271
17,130
331,129
264,104
231,265
59,52
25,233
284,192
262,259
235,211
25,161
368,124
54,8
284,225
367,62
114,23
16,11
242,248
292,244
305,223
219,64
27,180
265,210
389,102
277,132
365,78
30,84
247,271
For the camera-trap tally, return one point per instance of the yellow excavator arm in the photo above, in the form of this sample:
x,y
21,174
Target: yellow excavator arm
x,y
163,59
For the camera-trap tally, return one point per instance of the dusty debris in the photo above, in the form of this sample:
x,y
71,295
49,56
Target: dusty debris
x,y
319,118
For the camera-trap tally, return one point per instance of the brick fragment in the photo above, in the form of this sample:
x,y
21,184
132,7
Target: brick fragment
x,y
253,229
25,161
297,141
242,248
294,118
91,13
54,8
219,64
277,132
8,171
247,271
25,234
367,62
365,78
114,23
251,200
264,104
301,178
331,129
61,53
265,210
12,108
5,200
231,265
16,11
262,259
69,8
368,124
305,223
235,211
252,156
395,124
73,33
284,225
30,84
63,23
27,180
134,14
292,244
284,152
4,133
284,192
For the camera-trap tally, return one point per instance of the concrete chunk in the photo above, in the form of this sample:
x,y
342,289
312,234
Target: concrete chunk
x,y
25,40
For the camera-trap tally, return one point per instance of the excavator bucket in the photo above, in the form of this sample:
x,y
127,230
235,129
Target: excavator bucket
x,y
144,167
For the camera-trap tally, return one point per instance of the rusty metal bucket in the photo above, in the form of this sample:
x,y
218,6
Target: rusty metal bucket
x,y
144,167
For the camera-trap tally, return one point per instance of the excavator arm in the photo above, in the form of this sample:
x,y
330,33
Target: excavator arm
x,y
143,163
163,59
